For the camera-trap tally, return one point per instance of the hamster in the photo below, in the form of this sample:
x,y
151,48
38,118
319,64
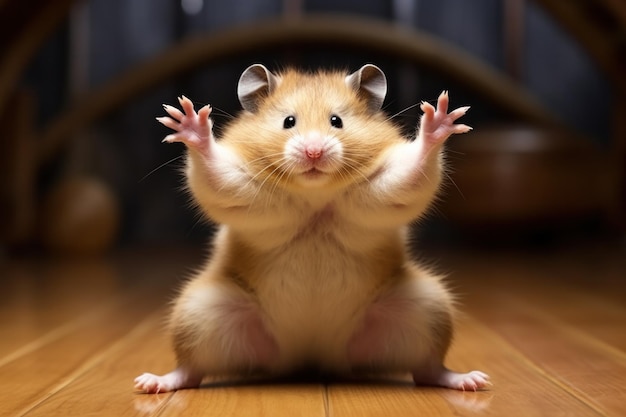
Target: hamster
x,y
313,187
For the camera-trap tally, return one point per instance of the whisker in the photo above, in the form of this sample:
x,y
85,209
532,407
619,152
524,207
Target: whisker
x,y
271,155
282,163
403,111
455,185
290,165
159,167
241,189
214,110
353,164
426,176
255,176
345,173
223,112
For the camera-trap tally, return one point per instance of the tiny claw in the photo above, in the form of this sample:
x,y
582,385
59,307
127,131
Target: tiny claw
x,y
205,111
460,129
426,105
169,139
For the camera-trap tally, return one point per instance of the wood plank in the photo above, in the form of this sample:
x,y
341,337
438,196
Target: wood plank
x,y
531,323
107,385
44,300
87,366
34,376
549,311
586,367
103,385
583,288
266,400
73,315
520,388
590,316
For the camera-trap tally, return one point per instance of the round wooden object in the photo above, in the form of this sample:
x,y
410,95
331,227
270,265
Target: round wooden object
x,y
524,177
79,216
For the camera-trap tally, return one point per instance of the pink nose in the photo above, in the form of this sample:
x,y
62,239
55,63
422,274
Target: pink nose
x,y
313,152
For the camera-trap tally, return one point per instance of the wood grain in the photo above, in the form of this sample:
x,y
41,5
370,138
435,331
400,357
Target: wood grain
x,y
548,328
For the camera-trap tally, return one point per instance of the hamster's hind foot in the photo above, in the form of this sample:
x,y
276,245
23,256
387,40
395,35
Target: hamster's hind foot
x,y
175,380
470,381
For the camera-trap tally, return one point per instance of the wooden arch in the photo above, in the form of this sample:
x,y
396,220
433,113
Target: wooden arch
x,y
375,35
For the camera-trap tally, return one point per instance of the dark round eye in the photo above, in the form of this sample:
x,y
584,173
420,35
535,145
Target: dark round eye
x,y
290,121
335,121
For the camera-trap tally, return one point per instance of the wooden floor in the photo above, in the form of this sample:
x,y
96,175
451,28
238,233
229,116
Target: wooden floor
x,y
548,326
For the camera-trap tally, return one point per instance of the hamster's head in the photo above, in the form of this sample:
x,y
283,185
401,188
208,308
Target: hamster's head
x,y
310,130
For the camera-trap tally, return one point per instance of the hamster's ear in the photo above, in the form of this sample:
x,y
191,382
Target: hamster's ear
x,y
255,83
371,84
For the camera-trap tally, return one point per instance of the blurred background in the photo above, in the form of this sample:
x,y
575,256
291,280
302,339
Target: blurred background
x,y
84,172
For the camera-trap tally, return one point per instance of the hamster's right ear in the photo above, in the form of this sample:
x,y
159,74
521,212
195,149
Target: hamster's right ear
x,y
370,83
255,83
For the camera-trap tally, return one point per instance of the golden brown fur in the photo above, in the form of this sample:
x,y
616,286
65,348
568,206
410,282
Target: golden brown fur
x,y
304,92
313,187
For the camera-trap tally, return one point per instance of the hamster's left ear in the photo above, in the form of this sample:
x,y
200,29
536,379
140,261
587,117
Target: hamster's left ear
x,y
255,83
371,84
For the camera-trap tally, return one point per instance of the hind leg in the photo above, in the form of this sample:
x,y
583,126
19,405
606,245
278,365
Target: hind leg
x,y
217,328
409,328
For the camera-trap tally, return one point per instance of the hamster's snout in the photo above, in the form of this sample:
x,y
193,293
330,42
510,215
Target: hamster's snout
x,y
314,150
